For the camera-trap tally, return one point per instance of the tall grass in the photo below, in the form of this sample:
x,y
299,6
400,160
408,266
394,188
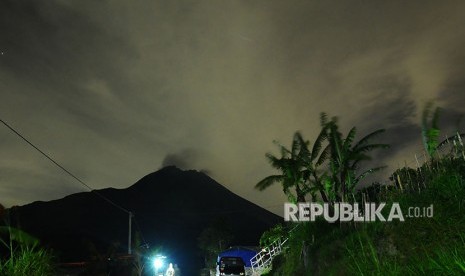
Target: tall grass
x,y
365,260
28,261
417,246
23,256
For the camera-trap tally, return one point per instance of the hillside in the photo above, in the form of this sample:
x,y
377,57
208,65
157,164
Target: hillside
x,y
171,209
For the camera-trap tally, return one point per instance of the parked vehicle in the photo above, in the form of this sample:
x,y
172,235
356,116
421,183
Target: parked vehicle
x,y
228,265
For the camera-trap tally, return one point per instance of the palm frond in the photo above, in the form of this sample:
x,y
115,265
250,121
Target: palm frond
x,y
274,161
349,139
323,119
336,143
368,137
304,152
371,147
319,143
268,181
324,156
295,144
283,150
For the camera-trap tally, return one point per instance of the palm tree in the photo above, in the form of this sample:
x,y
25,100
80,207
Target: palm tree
x,y
292,165
300,167
314,159
345,159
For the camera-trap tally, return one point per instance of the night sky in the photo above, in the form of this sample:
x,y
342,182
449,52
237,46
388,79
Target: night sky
x,y
114,90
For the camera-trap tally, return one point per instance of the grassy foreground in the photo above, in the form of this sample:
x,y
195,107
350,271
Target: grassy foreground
x,y
22,254
418,246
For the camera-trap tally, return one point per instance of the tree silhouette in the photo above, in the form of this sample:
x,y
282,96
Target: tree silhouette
x,y
345,159
293,167
214,239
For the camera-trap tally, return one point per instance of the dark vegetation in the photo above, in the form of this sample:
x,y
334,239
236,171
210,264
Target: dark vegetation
x,y
330,173
21,253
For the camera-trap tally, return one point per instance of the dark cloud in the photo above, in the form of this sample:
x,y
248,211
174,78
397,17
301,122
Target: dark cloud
x,y
452,100
183,159
113,89
186,159
52,43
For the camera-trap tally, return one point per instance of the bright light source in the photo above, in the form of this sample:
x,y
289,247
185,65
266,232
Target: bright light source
x,y
158,262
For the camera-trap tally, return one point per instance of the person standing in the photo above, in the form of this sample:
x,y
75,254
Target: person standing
x,y
170,270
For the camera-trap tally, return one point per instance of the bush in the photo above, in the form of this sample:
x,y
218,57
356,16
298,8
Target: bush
x,y
23,254
28,261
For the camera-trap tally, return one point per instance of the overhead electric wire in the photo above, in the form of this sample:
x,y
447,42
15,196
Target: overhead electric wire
x,y
99,194
64,169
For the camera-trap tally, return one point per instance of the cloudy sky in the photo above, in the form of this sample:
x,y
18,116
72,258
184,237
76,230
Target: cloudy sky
x,y
114,90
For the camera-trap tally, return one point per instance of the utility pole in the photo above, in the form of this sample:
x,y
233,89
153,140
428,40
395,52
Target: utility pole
x,y
130,234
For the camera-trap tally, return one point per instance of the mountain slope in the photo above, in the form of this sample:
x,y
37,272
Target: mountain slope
x,y
171,209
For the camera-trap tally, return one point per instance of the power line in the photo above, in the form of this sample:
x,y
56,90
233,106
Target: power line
x,y
63,168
